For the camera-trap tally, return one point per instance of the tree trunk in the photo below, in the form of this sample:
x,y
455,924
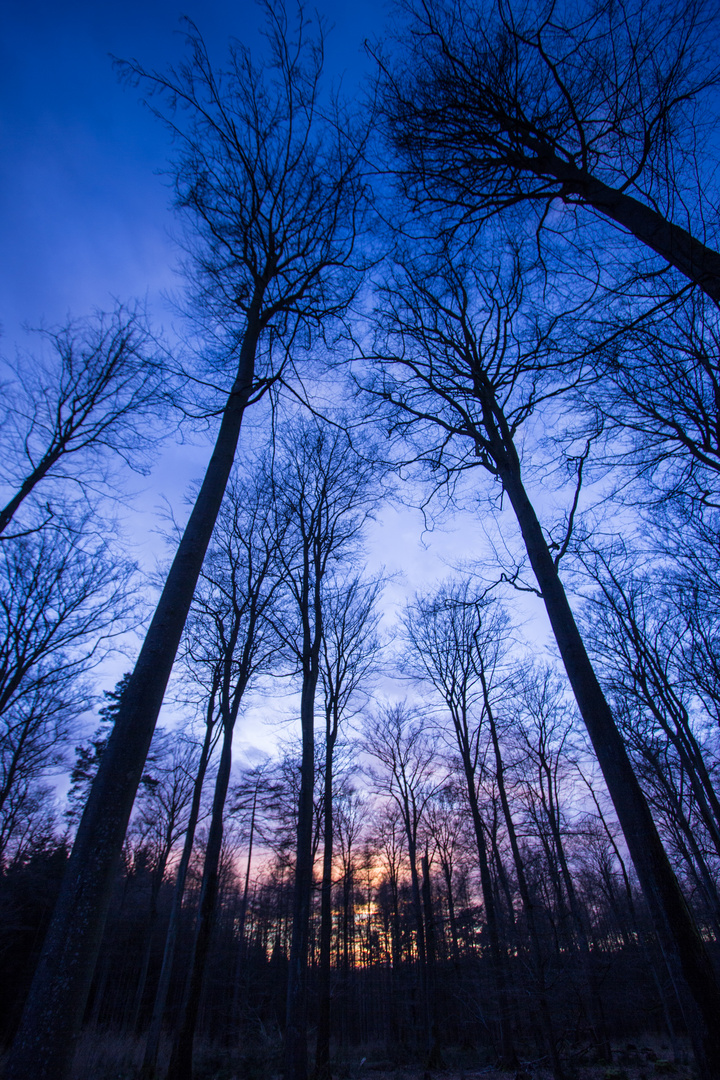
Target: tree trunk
x,y
697,262
508,1056
447,873
239,983
45,1043
434,1056
425,1016
665,899
596,1012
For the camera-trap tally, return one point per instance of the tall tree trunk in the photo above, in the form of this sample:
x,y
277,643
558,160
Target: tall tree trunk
x,y
434,1057
239,984
447,873
45,1043
425,1016
665,899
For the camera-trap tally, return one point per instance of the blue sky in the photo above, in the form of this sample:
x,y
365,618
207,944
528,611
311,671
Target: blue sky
x,y
84,214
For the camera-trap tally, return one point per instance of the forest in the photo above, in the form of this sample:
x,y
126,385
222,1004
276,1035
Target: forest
x,y
470,828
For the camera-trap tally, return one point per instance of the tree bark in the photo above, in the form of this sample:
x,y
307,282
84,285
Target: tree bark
x,y
46,1041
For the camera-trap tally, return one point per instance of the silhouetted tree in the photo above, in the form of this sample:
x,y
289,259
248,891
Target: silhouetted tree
x,y
576,113
233,635
68,415
273,197
463,361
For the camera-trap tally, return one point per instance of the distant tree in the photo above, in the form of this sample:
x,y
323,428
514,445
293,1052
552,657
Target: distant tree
x,y
273,199
542,725
209,742
99,395
349,651
457,641
161,818
404,768
88,754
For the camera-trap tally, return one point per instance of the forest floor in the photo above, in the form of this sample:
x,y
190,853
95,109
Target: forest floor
x,y
103,1056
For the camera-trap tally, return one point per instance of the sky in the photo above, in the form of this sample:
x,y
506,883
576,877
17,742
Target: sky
x,y
85,212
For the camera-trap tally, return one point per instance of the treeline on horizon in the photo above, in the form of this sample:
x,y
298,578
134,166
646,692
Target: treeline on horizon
x,y
492,291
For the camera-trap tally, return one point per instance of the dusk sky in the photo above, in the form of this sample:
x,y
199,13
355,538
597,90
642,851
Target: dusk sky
x,y
84,214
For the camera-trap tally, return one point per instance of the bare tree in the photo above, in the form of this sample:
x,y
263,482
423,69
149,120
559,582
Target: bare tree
x,y
659,401
543,725
209,742
68,414
232,635
457,642
463,364
62,598
557,108
274,199
637,633
161,818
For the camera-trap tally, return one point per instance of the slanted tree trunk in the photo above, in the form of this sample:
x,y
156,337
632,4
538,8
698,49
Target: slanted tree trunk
x,y
45,1043
695,260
